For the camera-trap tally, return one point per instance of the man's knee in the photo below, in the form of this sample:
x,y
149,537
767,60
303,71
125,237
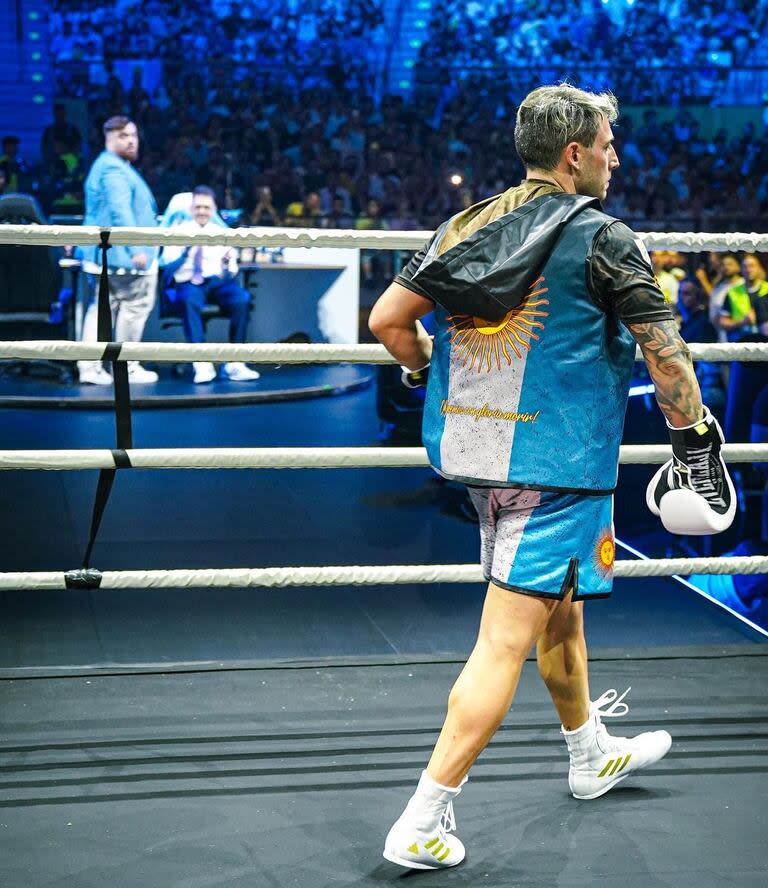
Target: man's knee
x,y
188,294
510,640
243,296
232,294
138,300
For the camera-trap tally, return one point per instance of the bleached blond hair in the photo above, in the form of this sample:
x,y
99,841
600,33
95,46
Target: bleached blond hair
x,y
552,116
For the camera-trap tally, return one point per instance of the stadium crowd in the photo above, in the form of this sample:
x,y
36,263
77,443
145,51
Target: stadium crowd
x,y
93,30
417,167
282,121
667,51
279,109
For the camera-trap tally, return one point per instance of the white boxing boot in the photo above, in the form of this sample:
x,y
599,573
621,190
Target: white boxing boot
x,y
419,838
600,761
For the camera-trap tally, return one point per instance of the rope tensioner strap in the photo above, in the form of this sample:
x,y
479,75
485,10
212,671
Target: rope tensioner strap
x,y
345,575
123,428
298,457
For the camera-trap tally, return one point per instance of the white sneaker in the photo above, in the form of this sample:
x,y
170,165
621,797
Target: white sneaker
x,y
204,371
419,838
600,761
93,374
238,372
137,373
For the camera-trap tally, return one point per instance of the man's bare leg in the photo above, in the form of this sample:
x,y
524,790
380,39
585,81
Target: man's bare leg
x,y
509,627
561,653
598,761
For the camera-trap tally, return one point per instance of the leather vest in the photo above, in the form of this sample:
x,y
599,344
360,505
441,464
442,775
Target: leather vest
x,y
537,397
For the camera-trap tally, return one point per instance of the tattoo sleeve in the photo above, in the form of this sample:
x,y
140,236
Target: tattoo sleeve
x,y
671,368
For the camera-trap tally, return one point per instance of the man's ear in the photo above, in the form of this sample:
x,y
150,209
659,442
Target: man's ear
x,y
573,154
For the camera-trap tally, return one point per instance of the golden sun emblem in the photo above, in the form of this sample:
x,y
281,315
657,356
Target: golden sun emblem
x,y
483,342
605,553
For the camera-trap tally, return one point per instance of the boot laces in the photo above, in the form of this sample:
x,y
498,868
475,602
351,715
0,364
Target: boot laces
x,y
609,705
615,705
448,819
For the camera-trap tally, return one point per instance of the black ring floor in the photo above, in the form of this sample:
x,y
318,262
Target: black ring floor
x,y
292,777
182,738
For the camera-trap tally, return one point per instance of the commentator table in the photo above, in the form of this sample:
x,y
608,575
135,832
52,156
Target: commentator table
x,y
312,290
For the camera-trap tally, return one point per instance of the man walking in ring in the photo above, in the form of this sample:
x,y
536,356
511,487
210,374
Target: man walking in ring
x,y
539,299
117,195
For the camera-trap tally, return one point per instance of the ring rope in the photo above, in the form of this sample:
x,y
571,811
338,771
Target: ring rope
x,y
299,457
287,353
329,457
59,235
268,577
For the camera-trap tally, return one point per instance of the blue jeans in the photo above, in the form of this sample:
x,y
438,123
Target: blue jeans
x,y
228,294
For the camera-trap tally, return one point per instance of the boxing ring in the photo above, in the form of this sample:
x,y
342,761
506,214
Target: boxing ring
x,y
283,769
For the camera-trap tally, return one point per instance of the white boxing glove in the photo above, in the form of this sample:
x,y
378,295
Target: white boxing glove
x,y
693,493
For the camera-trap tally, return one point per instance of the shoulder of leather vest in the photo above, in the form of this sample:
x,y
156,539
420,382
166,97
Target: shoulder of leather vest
x,y
490,272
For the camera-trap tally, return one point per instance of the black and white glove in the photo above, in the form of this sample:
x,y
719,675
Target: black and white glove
x,y
415,378
693,493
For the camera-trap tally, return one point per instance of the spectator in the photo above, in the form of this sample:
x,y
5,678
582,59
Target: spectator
x,y
696,327
739,314
726,274
264,213
138,97
306,213
207,273
757,287
745,314
404,218
117,195
13,167
294,214
695,324
60,131
63,44
65,176
370,219
371,260
339,217
668,274
312,210
177,175
332,192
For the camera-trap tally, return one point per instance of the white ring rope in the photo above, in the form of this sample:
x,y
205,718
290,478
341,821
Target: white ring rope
x,y
294,353
60,235
302,457
348,575
218,458
255,352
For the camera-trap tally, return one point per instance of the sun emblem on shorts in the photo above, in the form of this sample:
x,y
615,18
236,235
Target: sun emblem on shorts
x,y
484,343
605,553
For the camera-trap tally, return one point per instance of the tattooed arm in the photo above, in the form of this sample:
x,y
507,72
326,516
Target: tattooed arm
x,y
692,493
622,282
671,368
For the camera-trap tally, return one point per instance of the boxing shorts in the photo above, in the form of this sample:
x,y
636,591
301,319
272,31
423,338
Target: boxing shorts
x,y
545,543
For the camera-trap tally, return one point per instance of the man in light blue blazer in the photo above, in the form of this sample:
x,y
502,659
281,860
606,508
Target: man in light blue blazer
x,y
117,195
